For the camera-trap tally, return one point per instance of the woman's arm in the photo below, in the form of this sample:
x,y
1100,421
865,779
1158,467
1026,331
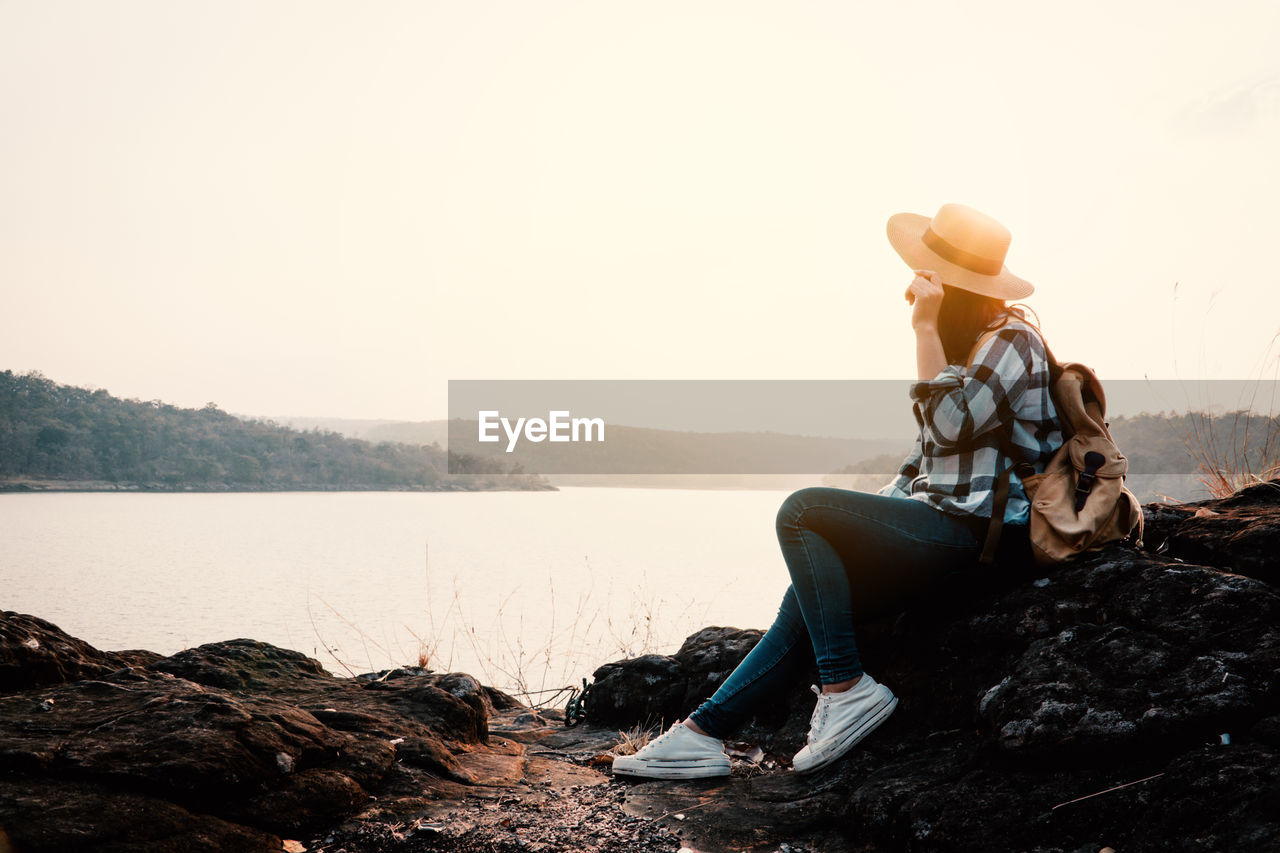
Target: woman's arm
x,y
930,357
925,295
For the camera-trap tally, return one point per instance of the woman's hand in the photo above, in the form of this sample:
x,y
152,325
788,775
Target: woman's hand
x,y
925,295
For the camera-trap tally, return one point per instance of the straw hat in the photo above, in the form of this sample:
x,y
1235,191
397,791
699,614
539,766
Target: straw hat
x,y
964,246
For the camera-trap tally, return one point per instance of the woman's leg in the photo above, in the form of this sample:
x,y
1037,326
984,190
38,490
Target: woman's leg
x,y
766,669
854,556
694,749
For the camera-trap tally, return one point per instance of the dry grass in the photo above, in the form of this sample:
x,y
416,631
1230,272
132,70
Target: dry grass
x,y
580,633
632,741
534,659
1235,450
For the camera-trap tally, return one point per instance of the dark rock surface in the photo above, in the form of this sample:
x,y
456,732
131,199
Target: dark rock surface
x,y
1237,534
34,652
1022,695
1131,700
240,742
240,746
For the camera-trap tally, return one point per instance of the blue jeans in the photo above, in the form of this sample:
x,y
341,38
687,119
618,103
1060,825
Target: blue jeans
x,y
852,556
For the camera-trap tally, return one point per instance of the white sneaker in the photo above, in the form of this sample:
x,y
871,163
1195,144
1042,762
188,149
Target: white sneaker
x,y
677,753
840,720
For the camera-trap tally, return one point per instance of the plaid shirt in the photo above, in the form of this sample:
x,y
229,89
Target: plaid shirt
x,y
964,414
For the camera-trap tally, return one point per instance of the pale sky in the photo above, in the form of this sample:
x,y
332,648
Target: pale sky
x,y
320,208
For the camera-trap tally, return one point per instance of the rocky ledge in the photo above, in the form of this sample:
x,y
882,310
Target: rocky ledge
x,y
1131,701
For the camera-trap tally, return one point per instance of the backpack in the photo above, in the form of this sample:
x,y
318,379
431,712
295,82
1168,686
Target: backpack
x,y
1080,502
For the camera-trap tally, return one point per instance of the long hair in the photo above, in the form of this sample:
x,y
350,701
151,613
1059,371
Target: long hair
x,y
964,316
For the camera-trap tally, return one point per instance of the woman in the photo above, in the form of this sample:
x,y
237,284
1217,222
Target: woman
x,y
854,556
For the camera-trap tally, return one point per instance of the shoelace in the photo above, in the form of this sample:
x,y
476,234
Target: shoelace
x,y
819,717
660,738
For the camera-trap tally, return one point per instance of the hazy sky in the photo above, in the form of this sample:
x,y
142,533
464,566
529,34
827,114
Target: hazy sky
x,y
317,208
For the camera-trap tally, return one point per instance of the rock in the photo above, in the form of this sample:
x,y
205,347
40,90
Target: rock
x,y
1236,534
493,700
242,665
1213,798
203,750
662,687
452,706
34,652
240,742
81,815
1022,699
432,755
1170,656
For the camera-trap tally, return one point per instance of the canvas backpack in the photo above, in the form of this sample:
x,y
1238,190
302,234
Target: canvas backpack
x,y
1079,503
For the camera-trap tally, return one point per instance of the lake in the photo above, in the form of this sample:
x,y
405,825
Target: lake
x,y
525,590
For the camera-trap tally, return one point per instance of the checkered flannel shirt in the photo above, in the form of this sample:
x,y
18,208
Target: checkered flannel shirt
x,y
964,414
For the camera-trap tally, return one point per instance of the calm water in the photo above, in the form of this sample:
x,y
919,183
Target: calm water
x,y
522,589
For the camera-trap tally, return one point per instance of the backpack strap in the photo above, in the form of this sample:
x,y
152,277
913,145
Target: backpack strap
x,y
999,500
1000,494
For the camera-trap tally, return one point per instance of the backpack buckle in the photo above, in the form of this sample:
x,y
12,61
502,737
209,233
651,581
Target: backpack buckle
x,y
1093,460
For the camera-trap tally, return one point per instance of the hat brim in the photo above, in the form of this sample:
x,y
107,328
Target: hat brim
x,y
906,235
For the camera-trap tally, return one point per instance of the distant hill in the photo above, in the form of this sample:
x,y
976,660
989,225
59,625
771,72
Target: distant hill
x,y
641,456
56,436
1161,450
419,432
1165,453
350,427
1177,455
403,432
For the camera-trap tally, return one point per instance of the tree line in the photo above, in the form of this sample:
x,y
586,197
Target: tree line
x,y
54,433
